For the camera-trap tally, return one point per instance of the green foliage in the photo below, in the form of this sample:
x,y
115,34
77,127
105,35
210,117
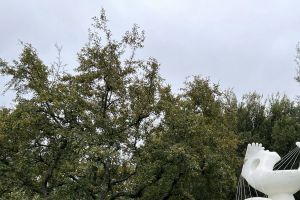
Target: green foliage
x,y
274,123
190,146
77,135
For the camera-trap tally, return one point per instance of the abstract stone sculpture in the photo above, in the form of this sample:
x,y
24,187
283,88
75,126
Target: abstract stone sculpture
x,y
258,172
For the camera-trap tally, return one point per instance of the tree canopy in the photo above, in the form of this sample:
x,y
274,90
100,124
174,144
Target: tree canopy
x,y
113,129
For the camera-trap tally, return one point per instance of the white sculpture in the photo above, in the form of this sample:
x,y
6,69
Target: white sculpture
x,y
258,172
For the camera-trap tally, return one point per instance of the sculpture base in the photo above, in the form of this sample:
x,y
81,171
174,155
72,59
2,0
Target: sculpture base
x,y
282,197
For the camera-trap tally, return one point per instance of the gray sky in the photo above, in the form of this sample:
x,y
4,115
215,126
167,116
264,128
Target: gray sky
x,y
247,45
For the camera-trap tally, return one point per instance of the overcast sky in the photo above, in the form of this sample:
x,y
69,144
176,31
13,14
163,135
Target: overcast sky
x,y
247,45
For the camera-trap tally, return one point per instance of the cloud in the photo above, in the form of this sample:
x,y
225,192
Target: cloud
x,y
244,45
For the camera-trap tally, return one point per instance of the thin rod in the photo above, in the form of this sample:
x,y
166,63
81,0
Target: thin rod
x,y
295,160
292,155
291,159
288,155
238,190
244,188
249,189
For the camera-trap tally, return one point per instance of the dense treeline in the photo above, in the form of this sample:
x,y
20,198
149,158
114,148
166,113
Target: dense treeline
x,y
113,129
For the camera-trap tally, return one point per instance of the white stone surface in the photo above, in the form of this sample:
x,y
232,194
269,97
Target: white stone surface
x,y
258,172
